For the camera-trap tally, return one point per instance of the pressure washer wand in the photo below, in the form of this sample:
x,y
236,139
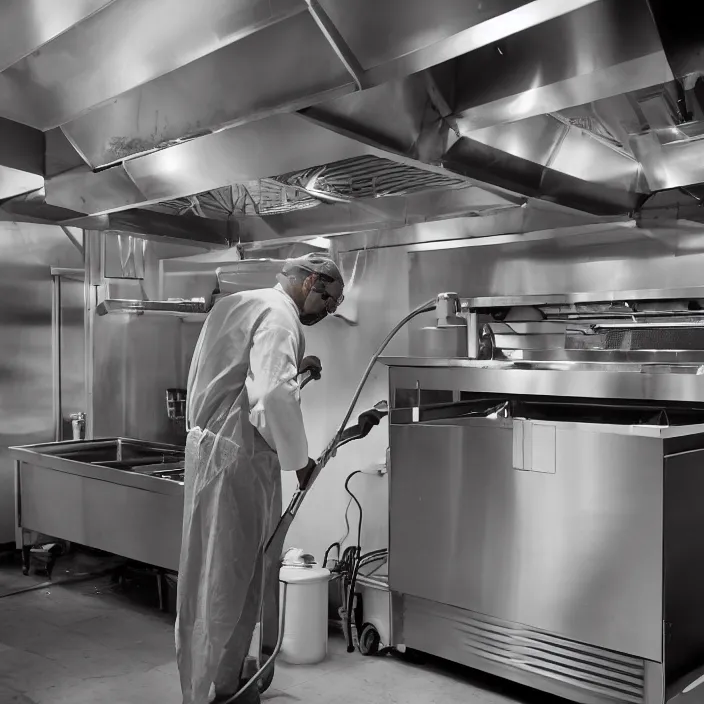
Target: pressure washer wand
x,y
366,421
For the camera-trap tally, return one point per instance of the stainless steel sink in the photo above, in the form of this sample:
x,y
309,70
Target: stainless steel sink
x,y
101,458
119,495
172,471
117,453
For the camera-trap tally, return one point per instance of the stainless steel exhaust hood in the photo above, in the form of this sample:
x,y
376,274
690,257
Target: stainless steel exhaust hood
x,y
347,111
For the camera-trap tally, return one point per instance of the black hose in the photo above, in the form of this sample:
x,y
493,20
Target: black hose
x,y
350,615
350,602
346,566
425,308
348,606
357,556
348,560
359,506
277,649
327,553
361,561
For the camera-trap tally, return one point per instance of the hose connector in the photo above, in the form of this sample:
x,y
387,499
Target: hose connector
x,y
447,309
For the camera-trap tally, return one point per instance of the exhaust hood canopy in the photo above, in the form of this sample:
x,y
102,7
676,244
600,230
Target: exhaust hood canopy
x,y
226,121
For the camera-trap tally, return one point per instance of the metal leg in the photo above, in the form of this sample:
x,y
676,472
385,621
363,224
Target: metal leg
x,y
655,684
118,575
161,586
26,558
51,561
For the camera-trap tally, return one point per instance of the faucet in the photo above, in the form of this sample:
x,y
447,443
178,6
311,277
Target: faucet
x,y
78,425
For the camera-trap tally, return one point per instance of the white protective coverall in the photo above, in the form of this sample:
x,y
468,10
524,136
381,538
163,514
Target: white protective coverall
x,y
245,426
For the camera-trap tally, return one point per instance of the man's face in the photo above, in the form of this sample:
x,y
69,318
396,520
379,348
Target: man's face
x,y
321,298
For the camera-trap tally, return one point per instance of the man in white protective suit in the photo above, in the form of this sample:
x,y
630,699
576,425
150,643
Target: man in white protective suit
x,y
245,426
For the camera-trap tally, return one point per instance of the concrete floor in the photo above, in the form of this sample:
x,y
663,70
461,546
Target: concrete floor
x,y
92,643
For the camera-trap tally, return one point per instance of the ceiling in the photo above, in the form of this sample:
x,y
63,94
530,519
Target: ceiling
x,y
249,120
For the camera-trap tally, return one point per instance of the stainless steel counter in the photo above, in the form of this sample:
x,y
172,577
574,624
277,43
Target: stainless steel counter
x,y
560,366
558,541
606,380
104,494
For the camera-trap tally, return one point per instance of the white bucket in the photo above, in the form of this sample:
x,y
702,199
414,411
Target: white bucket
x,y
305,639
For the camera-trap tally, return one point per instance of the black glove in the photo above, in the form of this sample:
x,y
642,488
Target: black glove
x,y
312,365
368,420
305,473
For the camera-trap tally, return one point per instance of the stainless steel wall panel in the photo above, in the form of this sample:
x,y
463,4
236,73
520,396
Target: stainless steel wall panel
x,y
27,253
72,357
131,359
602,260
135,359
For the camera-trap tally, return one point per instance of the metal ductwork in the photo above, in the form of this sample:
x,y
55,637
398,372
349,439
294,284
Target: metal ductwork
x,y
32,207
133,100
599,51
551,157
244,119
21,159
355,179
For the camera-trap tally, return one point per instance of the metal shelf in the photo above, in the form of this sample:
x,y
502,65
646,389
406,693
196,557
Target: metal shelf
x,y
189,311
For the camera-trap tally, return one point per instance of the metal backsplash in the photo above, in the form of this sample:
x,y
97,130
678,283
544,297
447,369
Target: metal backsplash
x,y
376,298
608,260
27,253
132,359
135,359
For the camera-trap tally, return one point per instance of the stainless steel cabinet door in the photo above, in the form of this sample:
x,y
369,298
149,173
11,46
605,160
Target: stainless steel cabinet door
x,y
577,551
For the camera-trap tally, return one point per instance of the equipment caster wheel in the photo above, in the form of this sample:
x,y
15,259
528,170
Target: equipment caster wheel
x,y
369,640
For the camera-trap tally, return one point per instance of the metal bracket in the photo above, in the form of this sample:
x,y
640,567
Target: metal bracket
x,y
472,334
439,102
338,44
73,240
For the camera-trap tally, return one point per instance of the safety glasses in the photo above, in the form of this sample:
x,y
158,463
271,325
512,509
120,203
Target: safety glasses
x,y
332,303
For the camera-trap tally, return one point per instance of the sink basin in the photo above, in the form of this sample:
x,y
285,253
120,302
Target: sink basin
x,y
119,495
117,453
166,470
